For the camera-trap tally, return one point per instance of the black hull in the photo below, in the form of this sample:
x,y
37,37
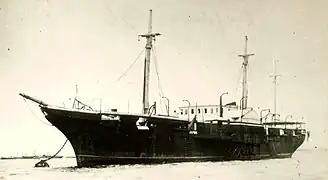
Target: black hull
x,y
90,161
106,142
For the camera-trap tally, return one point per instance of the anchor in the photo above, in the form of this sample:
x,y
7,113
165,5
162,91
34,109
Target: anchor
x,y
42,163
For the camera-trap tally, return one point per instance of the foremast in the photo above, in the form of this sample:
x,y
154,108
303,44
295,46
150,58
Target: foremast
x,y
245,56
149,36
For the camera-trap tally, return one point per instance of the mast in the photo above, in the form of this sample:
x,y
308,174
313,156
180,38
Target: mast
x,y
245,57
149,36
275,76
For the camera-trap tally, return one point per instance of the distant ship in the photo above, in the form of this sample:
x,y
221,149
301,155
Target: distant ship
x,y
196,133
30,157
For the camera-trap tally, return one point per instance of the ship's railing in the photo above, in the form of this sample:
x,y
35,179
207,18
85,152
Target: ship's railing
x,y
77,104
234,122
284,125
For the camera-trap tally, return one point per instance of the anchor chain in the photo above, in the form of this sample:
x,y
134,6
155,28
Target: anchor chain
x,y
43,163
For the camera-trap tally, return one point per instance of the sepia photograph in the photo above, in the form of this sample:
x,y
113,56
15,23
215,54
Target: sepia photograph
x,y
150,89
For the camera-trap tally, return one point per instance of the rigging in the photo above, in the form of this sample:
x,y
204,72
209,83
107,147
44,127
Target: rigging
x,y
120,77
160,89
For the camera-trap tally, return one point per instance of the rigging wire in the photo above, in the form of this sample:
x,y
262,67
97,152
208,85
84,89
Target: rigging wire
x,y
238,81
156,68
119,78
247,85
35,114
129,66
160,89
43,163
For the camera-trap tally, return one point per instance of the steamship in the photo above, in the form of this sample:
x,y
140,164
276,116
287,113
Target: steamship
x,y
196,133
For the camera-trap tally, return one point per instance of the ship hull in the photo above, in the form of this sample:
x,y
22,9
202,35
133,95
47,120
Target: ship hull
x,y
118,141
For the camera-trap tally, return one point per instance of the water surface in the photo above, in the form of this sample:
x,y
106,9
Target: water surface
x,y
305,164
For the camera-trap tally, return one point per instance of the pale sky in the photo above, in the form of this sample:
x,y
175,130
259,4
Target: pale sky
x,y
49,46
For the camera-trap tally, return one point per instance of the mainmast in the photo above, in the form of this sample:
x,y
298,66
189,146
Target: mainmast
x,y
149,36
245,56
275,76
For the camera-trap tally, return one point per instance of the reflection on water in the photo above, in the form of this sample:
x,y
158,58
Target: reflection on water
x,y
305,164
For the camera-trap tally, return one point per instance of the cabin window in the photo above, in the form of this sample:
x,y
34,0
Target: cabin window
x,y
217,110
212,111
186,111
199,111
192,111
205,110
181,112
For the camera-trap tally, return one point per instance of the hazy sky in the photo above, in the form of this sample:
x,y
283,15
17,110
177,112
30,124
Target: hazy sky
x,y
49,46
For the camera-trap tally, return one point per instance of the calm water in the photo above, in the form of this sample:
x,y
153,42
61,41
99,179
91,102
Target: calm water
x,y
305,164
